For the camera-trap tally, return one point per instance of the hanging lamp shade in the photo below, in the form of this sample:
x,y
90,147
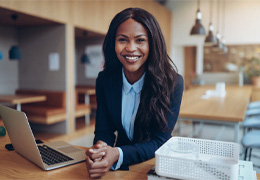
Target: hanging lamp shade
x,y
219,45
198,28
14,53
224,47
210,39
85,59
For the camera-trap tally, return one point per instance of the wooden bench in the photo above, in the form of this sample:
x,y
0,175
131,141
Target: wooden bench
x,y
52,110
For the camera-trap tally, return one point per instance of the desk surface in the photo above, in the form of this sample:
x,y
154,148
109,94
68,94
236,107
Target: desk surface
x,y
14,166
21,99
231,108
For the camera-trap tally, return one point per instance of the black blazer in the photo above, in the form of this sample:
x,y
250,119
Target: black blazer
x,y
108,120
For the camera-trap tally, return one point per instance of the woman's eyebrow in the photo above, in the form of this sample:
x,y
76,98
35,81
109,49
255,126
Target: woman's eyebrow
x,y
140,35
134,37
121,35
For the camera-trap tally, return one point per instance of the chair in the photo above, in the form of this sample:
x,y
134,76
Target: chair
x,y
255,104
251,140
252,116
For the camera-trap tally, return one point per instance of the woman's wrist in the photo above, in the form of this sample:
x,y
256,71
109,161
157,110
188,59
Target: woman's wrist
x,y
116,154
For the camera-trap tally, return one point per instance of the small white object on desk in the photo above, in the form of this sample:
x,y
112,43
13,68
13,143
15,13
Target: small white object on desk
x,y
220,91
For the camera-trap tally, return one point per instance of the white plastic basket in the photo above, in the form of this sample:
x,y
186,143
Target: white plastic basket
x,y
216,160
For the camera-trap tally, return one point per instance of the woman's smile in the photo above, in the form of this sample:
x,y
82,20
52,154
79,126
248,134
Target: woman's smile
x,y
132,58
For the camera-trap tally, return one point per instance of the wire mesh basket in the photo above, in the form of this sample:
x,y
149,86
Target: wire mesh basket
x,y
197,159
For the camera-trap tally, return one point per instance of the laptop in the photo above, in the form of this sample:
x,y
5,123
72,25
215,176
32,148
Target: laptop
x,y
48,156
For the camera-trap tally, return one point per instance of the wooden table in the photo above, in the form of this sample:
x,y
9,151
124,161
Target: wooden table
x,y
87,91
14,166
21,99
228,110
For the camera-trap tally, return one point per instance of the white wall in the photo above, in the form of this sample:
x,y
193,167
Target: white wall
x,y
242,26
8,69
36,45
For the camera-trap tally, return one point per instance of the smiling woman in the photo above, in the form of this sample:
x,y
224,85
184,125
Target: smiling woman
x,y
138,94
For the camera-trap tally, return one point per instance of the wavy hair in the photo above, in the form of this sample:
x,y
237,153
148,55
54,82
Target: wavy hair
x,y
161,73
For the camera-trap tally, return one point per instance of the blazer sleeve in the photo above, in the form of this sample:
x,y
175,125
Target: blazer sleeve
x,y
140,152
104,129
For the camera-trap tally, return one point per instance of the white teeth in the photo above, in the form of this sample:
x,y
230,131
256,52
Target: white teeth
x,y
131,58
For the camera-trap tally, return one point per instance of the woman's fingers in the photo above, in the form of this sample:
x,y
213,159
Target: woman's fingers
x,y
100,144
89,162
96,169
97,156
93,150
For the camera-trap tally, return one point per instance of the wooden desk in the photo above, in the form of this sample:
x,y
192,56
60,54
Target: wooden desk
x,y
226,110
14,166
87,91
21,99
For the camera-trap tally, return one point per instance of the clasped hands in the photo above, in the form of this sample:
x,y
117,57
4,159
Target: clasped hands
x,y
99,159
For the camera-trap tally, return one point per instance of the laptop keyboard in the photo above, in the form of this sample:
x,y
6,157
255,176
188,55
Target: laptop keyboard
x,y
51,156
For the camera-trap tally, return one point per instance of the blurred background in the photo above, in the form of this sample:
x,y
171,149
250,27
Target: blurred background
x,y
53,49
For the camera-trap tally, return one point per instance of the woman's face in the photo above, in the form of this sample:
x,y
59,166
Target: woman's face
x,y
132,48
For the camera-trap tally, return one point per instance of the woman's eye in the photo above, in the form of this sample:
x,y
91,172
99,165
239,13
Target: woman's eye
x,y
121,39
140,40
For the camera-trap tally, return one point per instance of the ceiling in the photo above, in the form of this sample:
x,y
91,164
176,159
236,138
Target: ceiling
x,y
22,20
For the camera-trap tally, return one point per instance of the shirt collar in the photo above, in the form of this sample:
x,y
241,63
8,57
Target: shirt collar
x,y
137,86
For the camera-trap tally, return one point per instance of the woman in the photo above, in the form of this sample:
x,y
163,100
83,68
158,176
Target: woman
x,y
138,94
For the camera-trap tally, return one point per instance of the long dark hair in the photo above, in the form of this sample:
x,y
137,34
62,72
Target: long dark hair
x,y
161,73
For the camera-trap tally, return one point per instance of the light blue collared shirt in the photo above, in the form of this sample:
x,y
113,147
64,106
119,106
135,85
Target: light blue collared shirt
x,y
130,101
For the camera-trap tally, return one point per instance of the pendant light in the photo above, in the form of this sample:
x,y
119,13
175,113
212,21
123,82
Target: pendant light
x,y
219,45
198,28
84,58
14,52
210,39
225,49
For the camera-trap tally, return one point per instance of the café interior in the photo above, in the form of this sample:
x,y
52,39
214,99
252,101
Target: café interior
x,y
51,54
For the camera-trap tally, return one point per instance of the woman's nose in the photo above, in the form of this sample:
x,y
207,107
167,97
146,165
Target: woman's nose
x,y
131,46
